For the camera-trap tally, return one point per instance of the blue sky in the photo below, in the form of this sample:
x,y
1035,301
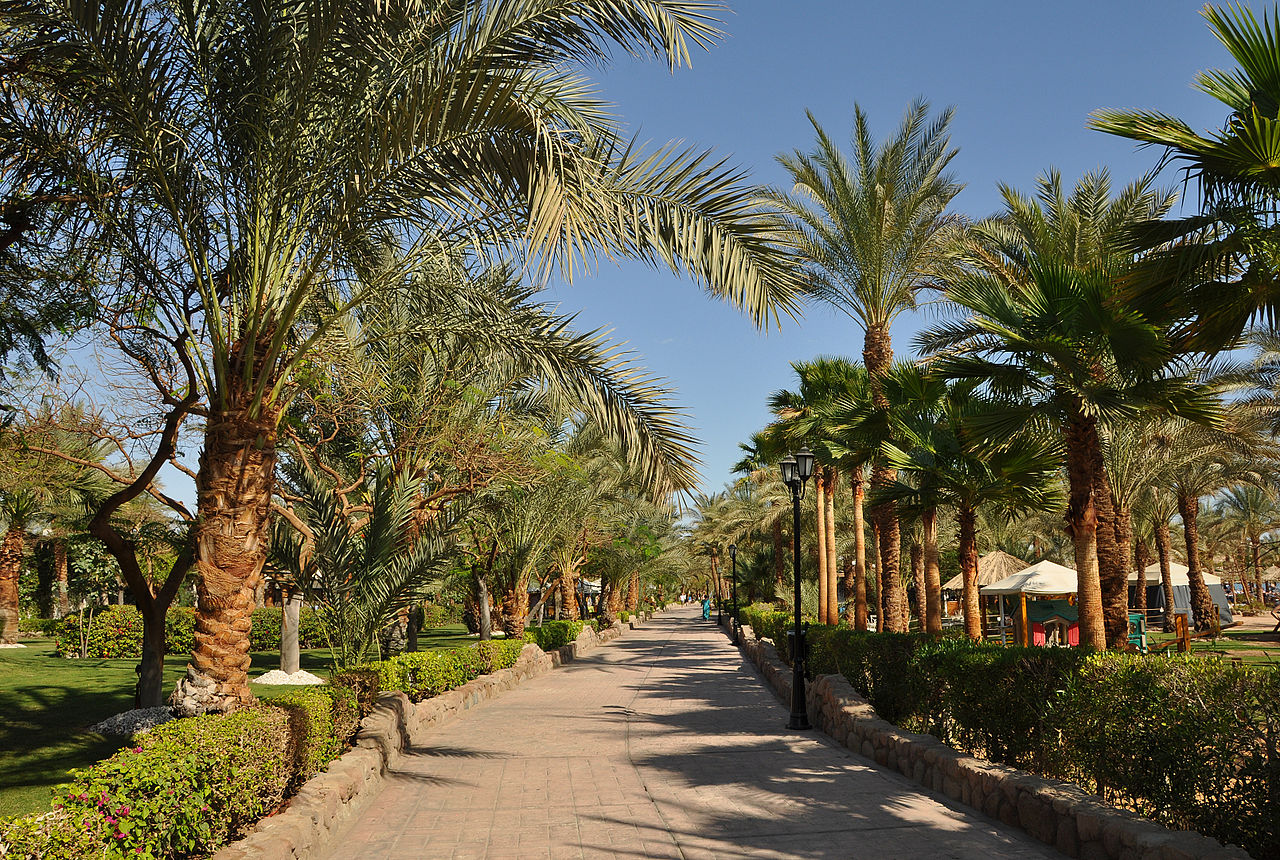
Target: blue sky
x,y
1022,76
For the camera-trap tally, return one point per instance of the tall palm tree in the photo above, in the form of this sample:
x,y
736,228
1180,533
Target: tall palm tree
x,y
1252,512
875,231
239,165
1046,326
1217,269
1057,352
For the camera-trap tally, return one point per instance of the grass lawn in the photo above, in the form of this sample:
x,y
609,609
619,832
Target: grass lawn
x,y
1250,646
46,702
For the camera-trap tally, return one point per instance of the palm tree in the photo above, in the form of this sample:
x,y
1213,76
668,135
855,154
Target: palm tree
x,y
875,231
947,466
242,165
1216,269
1252,512
1058,353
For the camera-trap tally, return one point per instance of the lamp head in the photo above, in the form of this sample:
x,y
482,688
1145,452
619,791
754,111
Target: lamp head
x,y
804,464
733,552
788,467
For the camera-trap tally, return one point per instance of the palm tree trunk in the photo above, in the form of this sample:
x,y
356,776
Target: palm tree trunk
x,y
1166,573
875,546
820,488
569,591
10,570
833,594
877,356
62,602
1242,575
856,609
1256,543
1203,612
233,492
1142,555
290,616
917,581
932,620
968,552
1113,560
515,607
633,592
1083,453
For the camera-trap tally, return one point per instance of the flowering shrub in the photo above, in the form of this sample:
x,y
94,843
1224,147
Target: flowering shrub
x,y
116,632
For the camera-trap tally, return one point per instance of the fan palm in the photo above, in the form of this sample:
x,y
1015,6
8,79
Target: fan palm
x,y
875,231
231,163
1219,268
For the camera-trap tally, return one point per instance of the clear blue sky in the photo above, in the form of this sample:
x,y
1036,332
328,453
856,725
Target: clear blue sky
x,y
1023,77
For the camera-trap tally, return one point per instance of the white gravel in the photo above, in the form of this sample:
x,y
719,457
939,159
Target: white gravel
x,y
13,645
278,676
136,722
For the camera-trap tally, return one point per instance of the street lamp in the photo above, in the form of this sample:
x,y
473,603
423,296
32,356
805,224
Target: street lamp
x,y
733,557
796,470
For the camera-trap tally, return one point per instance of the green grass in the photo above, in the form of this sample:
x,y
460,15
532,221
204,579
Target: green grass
x,y
46,703
1250,646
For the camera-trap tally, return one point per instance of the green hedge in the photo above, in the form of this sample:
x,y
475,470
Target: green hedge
x,y
1188,742
188,787
423,674
440,615
116,632
551,635
43,626
769,623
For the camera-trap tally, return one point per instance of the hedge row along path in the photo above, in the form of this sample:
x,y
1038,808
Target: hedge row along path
x,y
665,743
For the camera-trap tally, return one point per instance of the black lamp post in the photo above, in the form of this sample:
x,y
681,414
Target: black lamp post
x,y
796,470
733,557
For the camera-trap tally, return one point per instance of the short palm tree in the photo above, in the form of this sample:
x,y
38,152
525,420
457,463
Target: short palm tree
x,y
241,163
875,231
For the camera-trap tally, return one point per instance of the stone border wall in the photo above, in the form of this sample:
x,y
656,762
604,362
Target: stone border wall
x,y
329,801
1057,813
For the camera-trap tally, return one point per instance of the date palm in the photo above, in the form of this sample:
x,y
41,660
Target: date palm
x,y
875,231
229,163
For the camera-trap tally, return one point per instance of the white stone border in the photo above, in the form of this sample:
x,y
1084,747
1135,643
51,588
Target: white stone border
x,y
329,801
1057,813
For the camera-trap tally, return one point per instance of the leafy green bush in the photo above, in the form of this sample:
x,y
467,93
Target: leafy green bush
x,y
42,626
1188,742
185,788
364,684
551,635
769,623
423,674
624,616
440,614
321,721
179,630
265,633
114,632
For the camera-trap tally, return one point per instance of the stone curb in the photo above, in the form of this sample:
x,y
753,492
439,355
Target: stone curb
x,y
1057,813
329,801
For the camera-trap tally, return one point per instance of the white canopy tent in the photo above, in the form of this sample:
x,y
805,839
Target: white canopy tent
x,y
1177,574
1042,578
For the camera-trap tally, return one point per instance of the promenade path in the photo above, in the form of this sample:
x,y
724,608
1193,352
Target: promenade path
x,y
663,743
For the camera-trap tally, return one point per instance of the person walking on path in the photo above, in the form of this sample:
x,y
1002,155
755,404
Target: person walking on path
x,y
664,743
706,607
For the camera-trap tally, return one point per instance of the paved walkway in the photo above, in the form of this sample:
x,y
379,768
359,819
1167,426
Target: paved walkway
x,y
664,743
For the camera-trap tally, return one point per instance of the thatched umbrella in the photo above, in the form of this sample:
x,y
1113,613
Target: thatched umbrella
x,y
992,567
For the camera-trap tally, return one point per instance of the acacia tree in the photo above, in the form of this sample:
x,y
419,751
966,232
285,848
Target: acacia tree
x,y
229,165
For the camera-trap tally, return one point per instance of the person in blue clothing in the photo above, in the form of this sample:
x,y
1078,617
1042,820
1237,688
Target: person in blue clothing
x,y
706,607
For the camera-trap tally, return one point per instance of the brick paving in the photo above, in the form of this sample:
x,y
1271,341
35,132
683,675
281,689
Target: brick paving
x,y
664,743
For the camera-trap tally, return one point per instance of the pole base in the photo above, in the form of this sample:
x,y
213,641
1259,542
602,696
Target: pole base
x,y
799,723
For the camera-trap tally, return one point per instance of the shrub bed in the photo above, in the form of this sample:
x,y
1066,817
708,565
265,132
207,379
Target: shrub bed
x,y
116,632
188,787
551,635
42,626
1187,742
423,674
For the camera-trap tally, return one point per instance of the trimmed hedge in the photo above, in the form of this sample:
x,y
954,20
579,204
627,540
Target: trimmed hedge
x,y
423,674
1188,742
554,634
441,614
190,786
769,623
116,632
43,626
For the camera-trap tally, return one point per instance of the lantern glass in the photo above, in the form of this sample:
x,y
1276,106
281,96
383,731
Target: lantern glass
x,y
788,467
804,464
